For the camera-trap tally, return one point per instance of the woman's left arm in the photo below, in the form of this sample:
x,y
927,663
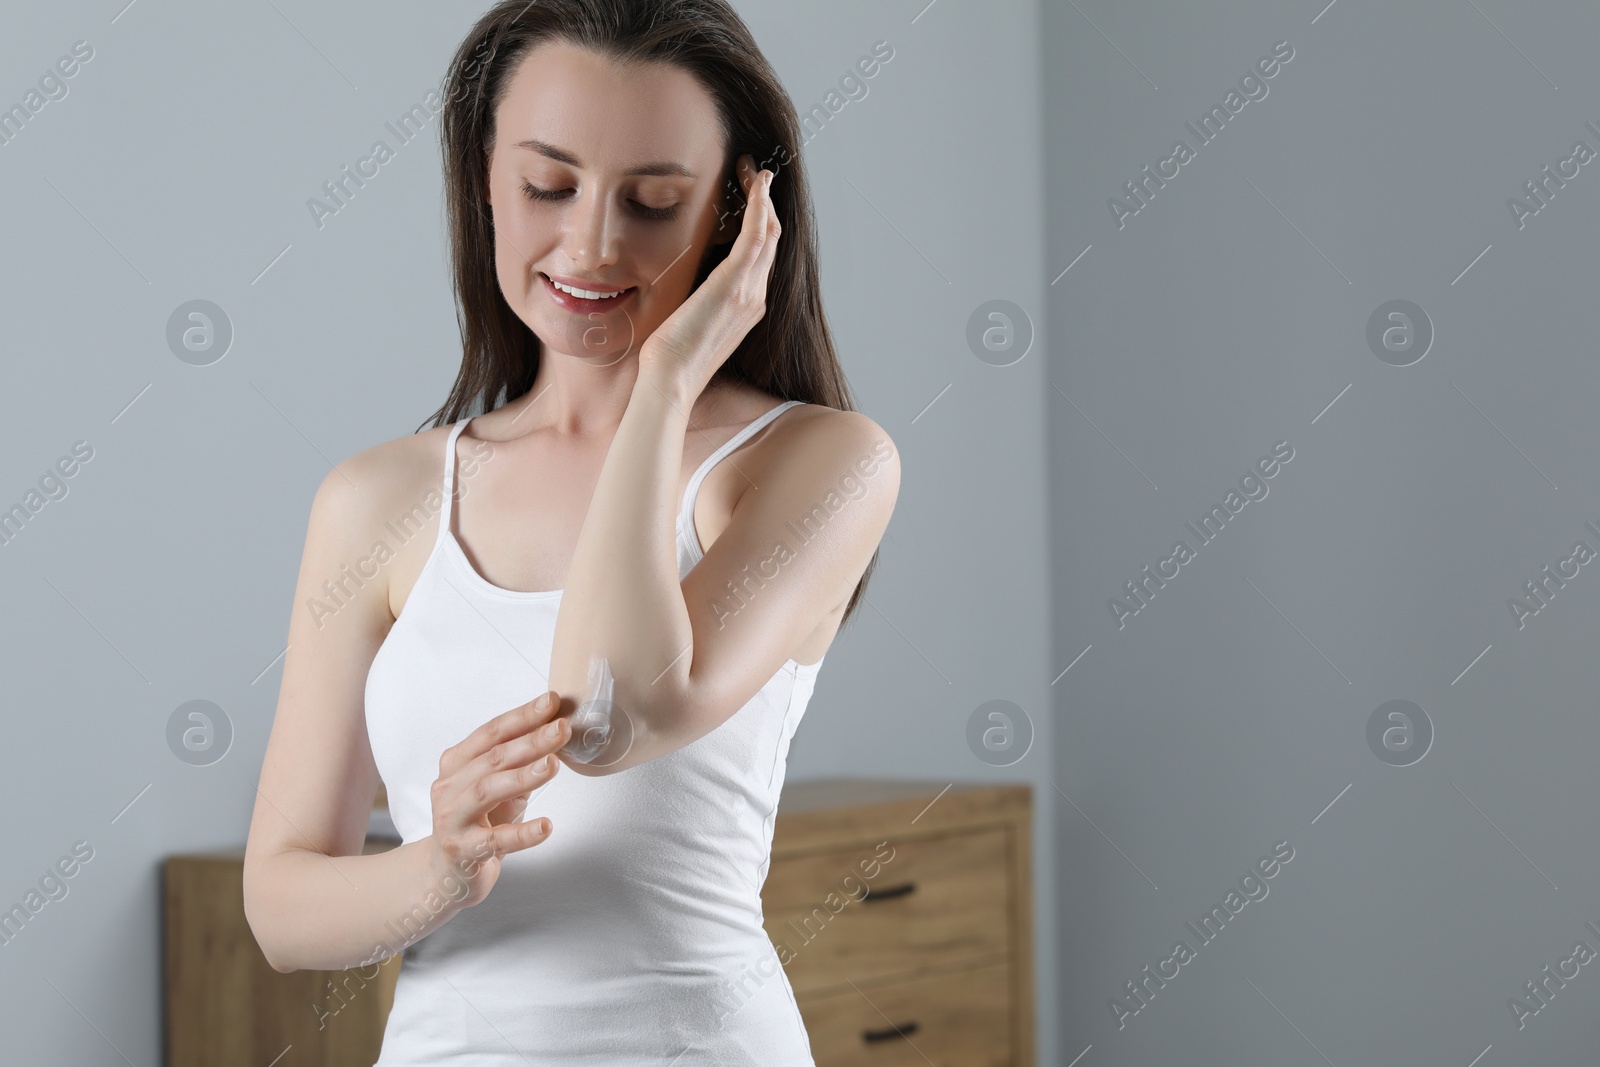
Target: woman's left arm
x,y
684,656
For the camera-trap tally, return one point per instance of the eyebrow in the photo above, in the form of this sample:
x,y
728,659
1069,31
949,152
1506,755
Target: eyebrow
x,y
658,169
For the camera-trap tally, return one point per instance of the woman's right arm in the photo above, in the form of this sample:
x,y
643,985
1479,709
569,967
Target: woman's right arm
x,y
310,897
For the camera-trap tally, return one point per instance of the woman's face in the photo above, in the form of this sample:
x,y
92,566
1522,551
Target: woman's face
x,y
569,202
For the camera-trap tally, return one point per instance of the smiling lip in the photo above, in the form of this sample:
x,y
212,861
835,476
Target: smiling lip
x,y
578,303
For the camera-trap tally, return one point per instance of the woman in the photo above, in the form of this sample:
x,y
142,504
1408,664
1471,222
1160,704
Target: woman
x,y
673,507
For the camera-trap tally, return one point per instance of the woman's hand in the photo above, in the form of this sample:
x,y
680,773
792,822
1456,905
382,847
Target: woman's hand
x,y
482,790
702,333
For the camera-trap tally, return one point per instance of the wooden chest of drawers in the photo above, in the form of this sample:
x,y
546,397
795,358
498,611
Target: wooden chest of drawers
x,y
923,957
901,911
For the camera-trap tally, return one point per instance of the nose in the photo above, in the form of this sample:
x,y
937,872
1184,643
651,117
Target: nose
x,y
592,233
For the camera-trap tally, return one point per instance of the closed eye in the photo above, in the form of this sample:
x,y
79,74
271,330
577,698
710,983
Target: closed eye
x,y
659,214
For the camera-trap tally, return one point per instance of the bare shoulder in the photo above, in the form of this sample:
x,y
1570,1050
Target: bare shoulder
x,y
372,482
392,486
817,426
813,442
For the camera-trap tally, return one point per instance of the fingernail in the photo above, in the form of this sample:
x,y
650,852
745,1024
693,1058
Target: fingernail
x,y
547,701
768,180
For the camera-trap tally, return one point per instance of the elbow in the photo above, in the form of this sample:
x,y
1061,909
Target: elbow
x,y
281,968
265,944
619,739
268,951
255,917
272,958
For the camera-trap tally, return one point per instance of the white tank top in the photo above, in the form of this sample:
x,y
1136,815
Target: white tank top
x,y
633,935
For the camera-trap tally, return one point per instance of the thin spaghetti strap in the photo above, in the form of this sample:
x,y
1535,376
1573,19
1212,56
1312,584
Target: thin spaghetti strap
x,y
692,490
449,479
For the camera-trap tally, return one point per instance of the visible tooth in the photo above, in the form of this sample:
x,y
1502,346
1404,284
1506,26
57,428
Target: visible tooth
x,y
586,294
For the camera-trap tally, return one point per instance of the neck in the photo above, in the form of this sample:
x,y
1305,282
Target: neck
x,y
575,397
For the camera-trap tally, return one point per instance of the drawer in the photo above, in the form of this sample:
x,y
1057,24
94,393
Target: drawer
x,y
933,900
953,1019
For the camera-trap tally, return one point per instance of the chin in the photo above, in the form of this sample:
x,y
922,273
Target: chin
x,y
599,341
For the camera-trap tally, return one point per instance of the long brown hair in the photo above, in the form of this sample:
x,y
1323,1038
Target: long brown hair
x,y
789,353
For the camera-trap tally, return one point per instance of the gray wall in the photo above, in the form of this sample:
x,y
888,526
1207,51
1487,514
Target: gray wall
x,y
177,167
1379,564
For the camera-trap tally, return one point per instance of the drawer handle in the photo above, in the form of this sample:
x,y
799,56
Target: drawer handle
x,y
905,1030
885,894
